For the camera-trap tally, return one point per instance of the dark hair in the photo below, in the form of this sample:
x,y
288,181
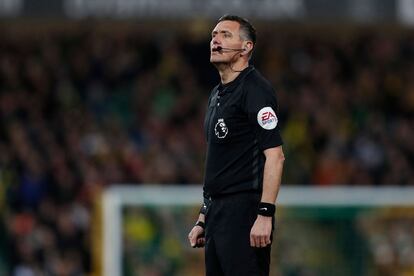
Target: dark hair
x,y
247,31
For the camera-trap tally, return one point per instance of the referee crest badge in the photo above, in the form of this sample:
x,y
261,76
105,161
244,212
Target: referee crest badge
x,y
221,129
267,118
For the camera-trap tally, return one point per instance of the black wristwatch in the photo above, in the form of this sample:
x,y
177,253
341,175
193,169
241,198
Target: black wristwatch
x,y
201,224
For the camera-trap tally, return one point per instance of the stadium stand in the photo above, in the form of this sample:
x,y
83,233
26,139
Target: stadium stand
x,y
84,108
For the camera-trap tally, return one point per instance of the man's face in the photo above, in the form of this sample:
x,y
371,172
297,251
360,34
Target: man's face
x,y
226,35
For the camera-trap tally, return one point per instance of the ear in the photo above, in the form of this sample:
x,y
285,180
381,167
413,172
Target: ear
x,y
247,47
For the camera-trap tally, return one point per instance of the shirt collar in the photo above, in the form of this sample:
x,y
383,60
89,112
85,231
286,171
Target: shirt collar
x,y
229,87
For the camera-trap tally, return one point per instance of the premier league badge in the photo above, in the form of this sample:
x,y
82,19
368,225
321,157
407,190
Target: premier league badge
x,y
221,129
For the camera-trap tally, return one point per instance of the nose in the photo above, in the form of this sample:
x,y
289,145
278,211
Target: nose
x,y
215,41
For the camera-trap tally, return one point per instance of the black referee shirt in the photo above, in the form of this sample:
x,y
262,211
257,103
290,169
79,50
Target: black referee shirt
x,y
240,123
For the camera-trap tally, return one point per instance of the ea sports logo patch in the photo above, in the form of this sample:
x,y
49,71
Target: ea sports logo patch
x,y
221,129
267,118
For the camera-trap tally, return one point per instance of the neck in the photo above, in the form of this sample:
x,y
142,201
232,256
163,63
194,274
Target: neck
x,y
229,71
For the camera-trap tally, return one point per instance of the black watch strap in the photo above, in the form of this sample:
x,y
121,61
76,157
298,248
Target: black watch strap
x,y
201,224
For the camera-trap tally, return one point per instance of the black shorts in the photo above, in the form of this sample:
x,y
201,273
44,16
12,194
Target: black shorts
x,y
229,220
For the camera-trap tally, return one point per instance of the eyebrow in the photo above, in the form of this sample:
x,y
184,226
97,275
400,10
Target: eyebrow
x,y
223,32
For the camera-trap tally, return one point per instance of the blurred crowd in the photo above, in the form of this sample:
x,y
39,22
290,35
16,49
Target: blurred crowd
x,y
347,106
84,108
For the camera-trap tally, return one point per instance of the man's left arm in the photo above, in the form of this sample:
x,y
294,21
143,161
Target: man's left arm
x,y
272,176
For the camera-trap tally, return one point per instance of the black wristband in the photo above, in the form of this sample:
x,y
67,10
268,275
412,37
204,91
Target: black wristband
x,y
266,209
201,224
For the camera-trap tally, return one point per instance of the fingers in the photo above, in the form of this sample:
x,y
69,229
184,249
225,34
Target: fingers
x,y
196,238
261,232
263,241
192,239
268,240
252,240
259,240
200,242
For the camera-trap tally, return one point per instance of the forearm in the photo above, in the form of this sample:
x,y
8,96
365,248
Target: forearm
x,y
203,210
201,217
272,175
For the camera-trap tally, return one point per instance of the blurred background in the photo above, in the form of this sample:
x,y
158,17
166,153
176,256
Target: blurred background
x,y
94,93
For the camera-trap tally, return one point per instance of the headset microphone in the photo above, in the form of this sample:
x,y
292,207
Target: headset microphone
x,y
219,48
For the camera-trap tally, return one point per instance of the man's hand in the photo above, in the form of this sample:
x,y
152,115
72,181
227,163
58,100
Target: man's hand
x,y
261,231
196,237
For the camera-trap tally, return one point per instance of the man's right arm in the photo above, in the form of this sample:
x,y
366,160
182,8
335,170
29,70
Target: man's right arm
x,y
196,235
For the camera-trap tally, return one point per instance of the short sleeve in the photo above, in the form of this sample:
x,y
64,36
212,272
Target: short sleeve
x,y
262,109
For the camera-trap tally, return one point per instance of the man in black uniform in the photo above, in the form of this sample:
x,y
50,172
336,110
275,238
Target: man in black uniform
x,y
244,159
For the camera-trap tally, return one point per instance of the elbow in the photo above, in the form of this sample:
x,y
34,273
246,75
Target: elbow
x,y
276,155
281,157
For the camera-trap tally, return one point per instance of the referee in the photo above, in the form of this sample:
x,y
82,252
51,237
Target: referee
x,y
244,159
